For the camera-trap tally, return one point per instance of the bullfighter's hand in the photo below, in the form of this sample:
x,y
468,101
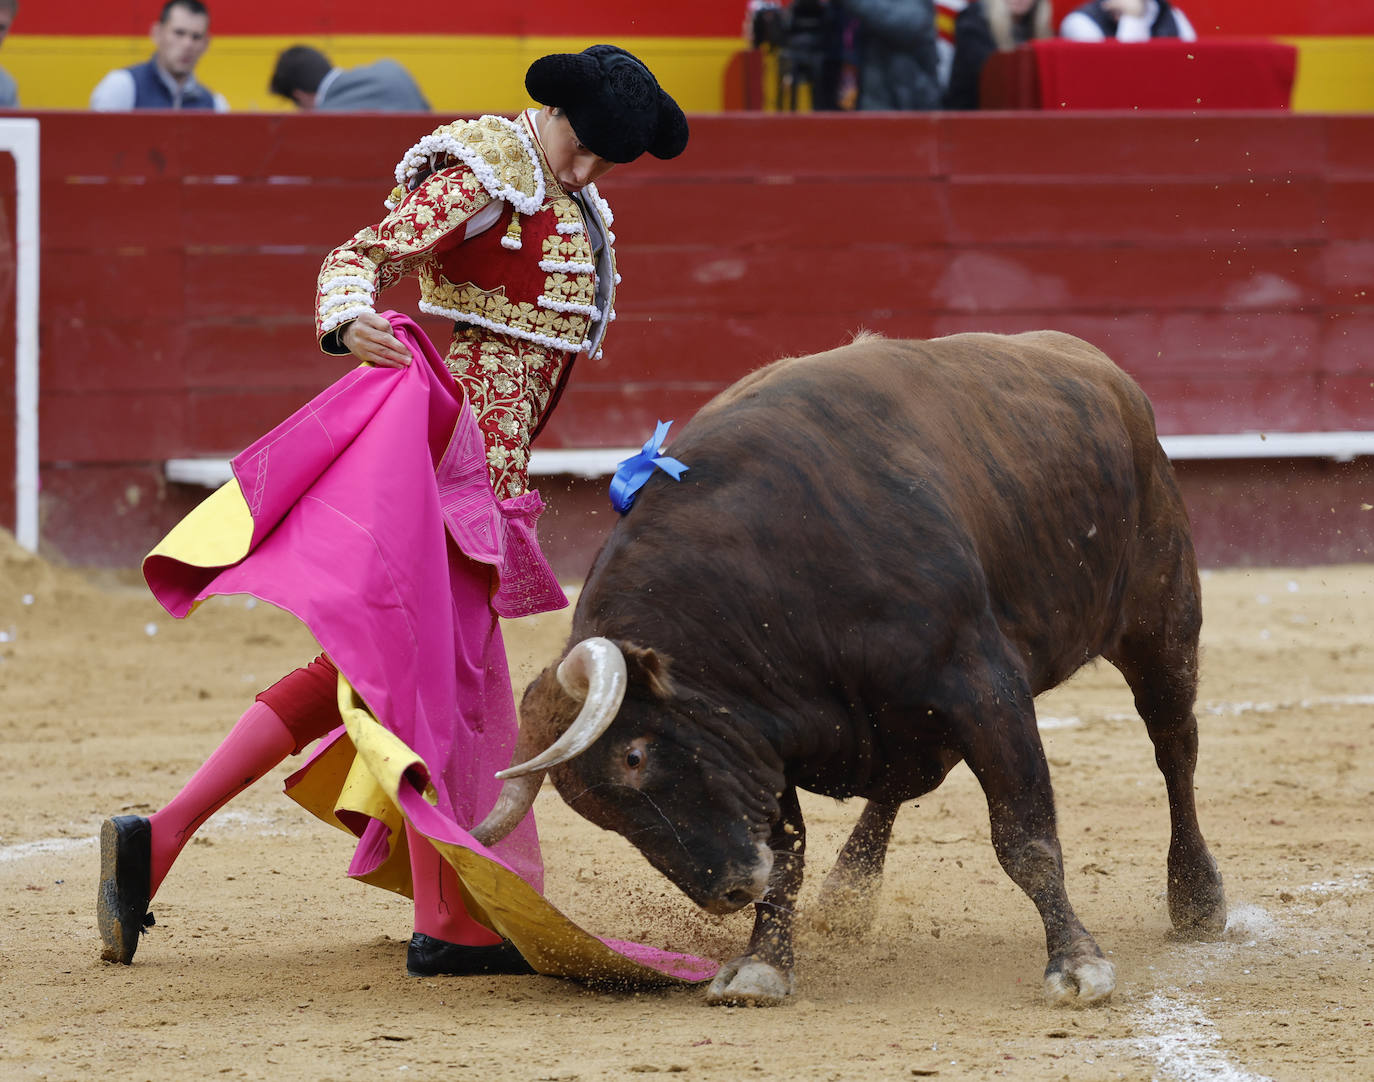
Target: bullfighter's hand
x,y
369,338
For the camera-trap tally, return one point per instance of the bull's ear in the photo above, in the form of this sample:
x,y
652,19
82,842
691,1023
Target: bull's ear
x,y
647,667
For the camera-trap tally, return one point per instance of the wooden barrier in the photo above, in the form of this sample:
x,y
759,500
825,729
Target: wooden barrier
x,y
1225,260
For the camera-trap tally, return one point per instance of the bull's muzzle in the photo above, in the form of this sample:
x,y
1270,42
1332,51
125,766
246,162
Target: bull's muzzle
x,y
749,885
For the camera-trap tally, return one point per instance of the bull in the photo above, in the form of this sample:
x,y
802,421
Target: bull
x,y
877,558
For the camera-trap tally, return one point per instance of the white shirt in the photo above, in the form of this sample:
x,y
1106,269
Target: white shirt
x,y
1079,27
115,93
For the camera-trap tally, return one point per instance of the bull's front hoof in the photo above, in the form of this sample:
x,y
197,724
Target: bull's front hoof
x,y
1084,981
747,982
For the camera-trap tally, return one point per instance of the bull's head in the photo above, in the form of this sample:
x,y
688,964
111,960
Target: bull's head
x,y
674,775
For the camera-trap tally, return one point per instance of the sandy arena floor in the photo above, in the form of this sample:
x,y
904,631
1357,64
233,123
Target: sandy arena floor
x,y
266,963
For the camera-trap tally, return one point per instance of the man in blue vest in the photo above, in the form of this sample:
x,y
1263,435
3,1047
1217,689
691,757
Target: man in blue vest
x,y
167,80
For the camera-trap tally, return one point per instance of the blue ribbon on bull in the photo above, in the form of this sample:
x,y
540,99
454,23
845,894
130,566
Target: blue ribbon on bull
x,y
631,474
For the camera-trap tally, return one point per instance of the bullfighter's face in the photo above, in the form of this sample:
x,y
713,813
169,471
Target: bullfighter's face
x,y
698,813
572,163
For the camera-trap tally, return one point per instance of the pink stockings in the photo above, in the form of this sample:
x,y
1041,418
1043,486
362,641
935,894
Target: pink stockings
x,y
439,910
254,746
301,709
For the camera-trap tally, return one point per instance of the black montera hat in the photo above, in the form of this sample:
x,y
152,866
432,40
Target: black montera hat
x,y
612,101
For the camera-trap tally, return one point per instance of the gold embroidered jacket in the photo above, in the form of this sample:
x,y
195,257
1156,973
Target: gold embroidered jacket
x,y
524,269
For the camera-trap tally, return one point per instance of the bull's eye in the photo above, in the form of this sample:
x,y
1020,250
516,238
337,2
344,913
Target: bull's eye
x,y
634,758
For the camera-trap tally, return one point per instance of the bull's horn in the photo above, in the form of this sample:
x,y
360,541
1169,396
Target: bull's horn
x,y
592,673
512,805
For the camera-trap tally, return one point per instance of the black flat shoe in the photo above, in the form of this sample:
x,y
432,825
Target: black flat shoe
x,y
121,903
430,957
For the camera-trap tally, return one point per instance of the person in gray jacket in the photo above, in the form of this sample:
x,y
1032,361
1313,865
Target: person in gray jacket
x,y
304,76
897,59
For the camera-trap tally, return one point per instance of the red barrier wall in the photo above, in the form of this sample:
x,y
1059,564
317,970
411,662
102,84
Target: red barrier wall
x,y
1224,260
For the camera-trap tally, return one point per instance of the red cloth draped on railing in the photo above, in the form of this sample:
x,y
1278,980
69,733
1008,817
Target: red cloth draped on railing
x,y
1218,73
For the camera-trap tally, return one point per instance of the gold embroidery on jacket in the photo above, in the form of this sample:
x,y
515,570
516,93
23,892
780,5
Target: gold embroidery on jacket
x,y
494,307
508,379
509,384
402,243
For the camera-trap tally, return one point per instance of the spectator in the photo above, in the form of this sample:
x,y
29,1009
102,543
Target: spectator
x,y
9,93
1126,20
306,77
898,63
985,27
167,80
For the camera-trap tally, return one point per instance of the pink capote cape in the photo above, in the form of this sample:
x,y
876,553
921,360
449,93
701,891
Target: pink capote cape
x,y
369,515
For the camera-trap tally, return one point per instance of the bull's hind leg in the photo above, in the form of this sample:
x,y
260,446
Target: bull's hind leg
x,y
849,895
996,726
1158,657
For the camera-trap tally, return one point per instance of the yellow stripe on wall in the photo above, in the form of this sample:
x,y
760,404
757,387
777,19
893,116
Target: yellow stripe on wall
x,y
458,74
1335,75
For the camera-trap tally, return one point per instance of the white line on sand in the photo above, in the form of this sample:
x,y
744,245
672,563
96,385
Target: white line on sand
x,y
42,847
1182,1040
47,846
1178,1034
1226,709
